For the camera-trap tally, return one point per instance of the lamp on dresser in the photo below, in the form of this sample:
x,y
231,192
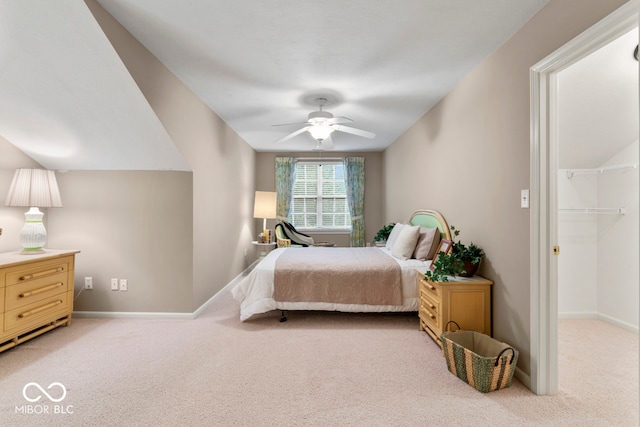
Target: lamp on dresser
x,y
265,207
34,188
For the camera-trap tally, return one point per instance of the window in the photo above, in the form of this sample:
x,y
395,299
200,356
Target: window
x,y
320,197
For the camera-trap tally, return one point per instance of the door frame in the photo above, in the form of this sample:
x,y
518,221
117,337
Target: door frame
x,y
543,227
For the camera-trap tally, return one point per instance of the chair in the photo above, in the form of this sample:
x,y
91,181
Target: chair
x,y
281,239
291,236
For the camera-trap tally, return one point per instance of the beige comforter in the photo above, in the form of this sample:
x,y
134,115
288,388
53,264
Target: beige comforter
x,y
337,275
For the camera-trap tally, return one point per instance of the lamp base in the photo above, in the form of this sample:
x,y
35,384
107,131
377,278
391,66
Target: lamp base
x,y
33,235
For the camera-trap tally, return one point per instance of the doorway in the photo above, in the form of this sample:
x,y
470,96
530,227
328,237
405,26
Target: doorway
x,y
544,191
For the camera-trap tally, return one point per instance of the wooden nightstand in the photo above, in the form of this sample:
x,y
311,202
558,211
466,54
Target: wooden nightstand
x,y
464,300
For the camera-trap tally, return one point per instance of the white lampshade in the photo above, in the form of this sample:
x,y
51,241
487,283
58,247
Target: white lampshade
x,y
264,206
34,188
320,132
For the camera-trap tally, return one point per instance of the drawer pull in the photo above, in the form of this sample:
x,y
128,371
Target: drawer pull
x,y
40,290
431,315
430,286
42,273
39,309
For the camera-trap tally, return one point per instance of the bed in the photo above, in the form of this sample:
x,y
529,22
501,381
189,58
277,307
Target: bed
x,y
371,279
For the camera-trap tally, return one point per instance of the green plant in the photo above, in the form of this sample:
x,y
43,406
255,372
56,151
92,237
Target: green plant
x,y
383,233
444,266
462,252
453,264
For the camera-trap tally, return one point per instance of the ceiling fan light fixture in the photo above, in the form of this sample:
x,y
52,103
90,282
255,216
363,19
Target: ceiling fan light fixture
x,y
320,132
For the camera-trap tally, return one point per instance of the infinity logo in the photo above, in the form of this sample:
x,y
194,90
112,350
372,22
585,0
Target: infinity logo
x,y
42,391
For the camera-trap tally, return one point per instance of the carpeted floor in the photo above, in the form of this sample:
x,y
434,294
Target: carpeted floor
x,y
317,369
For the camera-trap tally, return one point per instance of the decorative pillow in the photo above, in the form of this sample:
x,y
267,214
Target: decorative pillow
x,y
395,232
428,242
404,246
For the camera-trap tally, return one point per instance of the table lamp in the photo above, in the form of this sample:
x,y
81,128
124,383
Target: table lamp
x,y
34,188
265,207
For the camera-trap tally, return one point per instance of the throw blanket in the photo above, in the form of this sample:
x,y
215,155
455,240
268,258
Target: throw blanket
x,y
338,275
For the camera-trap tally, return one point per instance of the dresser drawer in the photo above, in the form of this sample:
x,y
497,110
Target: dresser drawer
x,y
433,290
40,270
431,318
29,315
31,291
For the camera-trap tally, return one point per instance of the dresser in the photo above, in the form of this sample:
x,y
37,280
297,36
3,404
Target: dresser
x,y
466,301
36,294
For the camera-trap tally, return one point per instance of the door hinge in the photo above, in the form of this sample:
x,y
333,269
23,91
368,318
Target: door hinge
x,y
556,250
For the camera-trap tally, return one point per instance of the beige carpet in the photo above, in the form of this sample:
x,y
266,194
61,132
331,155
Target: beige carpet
x,y
318,369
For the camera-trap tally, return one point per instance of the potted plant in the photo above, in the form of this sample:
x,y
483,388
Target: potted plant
x,y
462,261
383,234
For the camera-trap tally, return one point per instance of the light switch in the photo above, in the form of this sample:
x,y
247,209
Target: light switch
x,y
524,198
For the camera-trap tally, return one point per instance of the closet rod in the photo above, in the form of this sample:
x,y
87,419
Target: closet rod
x,y
618,211
572,172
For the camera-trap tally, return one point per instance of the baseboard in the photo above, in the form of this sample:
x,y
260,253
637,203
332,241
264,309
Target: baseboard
x,y
231,284
160,315
577,315
131,315
618,323
524,378
599,316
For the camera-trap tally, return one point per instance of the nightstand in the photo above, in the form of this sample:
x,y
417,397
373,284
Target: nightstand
x,y
264,248
464,300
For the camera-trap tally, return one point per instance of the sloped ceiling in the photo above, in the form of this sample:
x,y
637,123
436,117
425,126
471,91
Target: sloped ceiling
x,y
68,101
598,107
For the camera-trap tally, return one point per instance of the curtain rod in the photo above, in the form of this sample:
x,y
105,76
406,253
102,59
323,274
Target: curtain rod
x,y
332,159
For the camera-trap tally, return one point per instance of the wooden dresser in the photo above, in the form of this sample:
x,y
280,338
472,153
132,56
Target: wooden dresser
x,y
36,294
467,301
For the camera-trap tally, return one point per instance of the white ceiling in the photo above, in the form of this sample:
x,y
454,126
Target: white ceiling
x,y
67,100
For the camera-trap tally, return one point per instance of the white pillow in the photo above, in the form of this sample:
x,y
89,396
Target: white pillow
x,y
406,243
395,232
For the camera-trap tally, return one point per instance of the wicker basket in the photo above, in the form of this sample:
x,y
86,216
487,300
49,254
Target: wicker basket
x,y
481,361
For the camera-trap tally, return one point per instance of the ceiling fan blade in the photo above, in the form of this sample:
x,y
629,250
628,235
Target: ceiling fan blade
x,y
339,119
291,135
291,124
354,131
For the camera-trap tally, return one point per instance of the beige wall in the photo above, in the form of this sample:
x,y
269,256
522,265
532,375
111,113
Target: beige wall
x,y
135,225
468,157
373,198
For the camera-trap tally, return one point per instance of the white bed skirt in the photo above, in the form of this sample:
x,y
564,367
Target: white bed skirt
x,y
255,291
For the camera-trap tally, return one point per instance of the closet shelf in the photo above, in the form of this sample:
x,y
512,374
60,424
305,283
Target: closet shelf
x,y
617,211
572,172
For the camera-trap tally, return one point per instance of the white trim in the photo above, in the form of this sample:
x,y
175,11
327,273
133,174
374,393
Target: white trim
x,y
543,179
161,315
131,315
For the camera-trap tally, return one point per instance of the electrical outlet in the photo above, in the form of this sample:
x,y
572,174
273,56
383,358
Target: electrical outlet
x,y
114,284
88,283
123,284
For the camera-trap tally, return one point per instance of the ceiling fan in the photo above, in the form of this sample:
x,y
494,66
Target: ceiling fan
x,y
321,124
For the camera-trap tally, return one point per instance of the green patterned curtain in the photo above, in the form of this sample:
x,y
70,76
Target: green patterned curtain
x,y
285,175
354,179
